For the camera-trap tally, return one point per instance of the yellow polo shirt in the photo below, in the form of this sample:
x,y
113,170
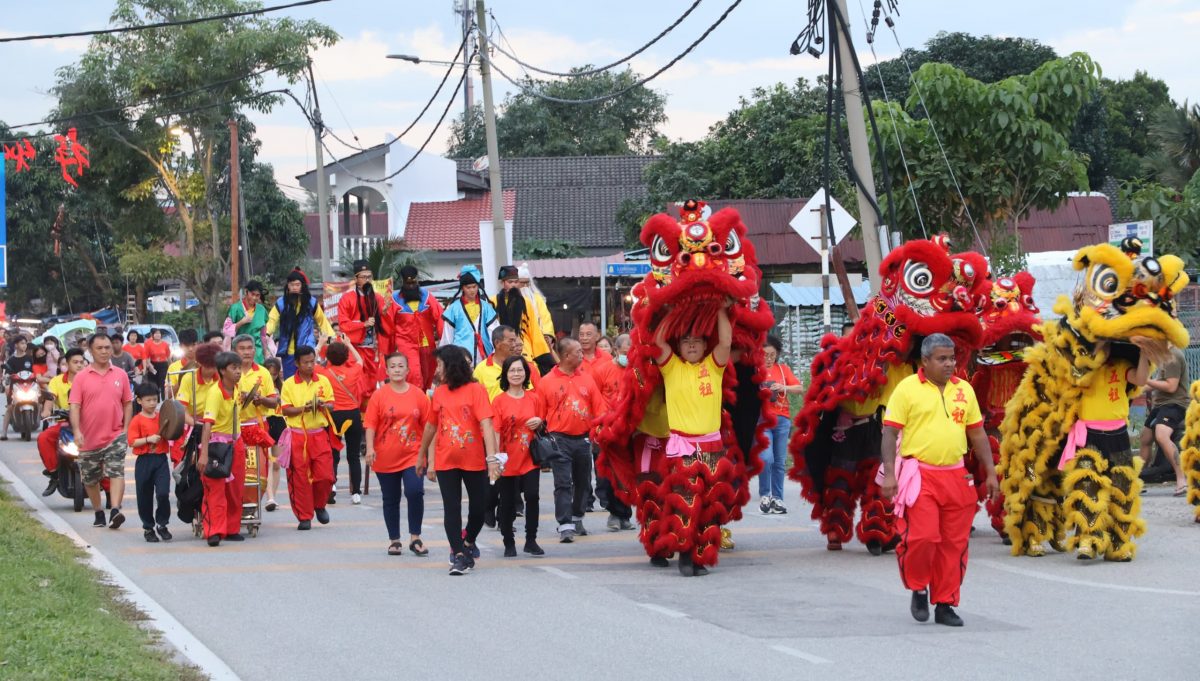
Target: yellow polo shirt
x,y
934,422
61,388
219,408
256,375
693,393
193,382
298,393
178,365
1107,399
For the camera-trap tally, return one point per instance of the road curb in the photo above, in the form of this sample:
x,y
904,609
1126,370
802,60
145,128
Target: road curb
x,y
156,615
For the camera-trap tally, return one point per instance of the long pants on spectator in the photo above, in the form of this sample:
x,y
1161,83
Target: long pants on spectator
x,y
310,472
935,535
572,479
152,483
413,486
451,482
511,489
352,440
222,510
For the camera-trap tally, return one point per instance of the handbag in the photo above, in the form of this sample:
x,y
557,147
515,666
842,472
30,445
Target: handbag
x,y
220,454
543,447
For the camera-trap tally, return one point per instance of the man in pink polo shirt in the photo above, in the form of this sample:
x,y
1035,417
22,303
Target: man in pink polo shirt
x,y
101,406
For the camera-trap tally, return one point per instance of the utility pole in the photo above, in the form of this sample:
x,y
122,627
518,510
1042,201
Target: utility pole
x,y
235,218
322,181
499,229
860,154
468,95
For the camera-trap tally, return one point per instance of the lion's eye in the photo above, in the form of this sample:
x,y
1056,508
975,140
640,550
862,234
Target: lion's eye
x,y
918,279
1105,281
659,251
733,245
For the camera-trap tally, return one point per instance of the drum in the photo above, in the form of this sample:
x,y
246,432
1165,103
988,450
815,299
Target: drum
x,y
170,420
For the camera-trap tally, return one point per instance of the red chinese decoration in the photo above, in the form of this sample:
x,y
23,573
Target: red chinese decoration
x,y
21,152
71,154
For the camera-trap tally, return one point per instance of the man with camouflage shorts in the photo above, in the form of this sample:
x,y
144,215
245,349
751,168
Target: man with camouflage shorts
x,y
101,406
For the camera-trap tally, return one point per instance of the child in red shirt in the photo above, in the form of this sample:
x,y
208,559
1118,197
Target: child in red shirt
x,y
151,469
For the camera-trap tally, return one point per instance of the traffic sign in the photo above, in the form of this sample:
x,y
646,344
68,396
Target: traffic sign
x,y
1143,230
807,223
626,269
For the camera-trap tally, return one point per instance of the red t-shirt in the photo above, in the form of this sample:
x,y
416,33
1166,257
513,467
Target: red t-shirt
x,y
101,398
781,373
158,351
141,426
348,392
456,414
135,350
398,420
511,413
40,369
573,401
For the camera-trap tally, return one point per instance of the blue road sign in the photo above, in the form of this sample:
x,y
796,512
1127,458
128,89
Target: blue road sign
x,y
626,269
3,228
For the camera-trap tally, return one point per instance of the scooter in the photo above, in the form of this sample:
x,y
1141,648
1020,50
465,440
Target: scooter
x,y
70,481
24,401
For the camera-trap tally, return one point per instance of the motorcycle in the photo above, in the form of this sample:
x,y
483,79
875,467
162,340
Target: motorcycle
x,y
70,481
26,396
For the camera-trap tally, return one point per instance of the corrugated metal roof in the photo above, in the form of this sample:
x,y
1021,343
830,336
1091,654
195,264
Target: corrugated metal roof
x,y
1080,221
813,296
571,268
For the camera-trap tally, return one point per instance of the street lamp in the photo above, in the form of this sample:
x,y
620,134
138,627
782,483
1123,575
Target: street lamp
x,y
417,60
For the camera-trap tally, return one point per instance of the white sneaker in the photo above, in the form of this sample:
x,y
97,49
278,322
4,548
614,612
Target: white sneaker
x,y
356,499
764,505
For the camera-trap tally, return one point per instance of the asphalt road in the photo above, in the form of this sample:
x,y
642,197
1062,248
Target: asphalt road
x,y
331,604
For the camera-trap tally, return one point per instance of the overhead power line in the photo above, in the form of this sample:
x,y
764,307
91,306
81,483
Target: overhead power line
x,y
161,24
599,69
524,87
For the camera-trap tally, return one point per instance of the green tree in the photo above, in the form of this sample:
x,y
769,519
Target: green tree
x,y
1176,214
539,249
527,125
1007,143
1131,105
1175,136
208,62
387,257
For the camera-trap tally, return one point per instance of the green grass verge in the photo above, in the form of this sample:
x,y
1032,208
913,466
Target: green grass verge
x,y
59,620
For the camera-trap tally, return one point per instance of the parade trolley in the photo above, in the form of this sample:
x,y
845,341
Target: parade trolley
x,y
257,464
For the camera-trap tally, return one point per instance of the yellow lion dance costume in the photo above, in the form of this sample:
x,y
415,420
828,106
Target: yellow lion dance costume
x,y
1088,502
1191,449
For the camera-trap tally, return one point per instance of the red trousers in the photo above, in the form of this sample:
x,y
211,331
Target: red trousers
x,y
222,510
47,444
935,533
310,472
428,364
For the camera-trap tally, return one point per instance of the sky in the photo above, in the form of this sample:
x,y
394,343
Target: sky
x,y
365,95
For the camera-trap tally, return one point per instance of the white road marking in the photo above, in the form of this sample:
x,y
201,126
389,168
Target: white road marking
x,y
996,565
663,611
172,630
557,572
807,657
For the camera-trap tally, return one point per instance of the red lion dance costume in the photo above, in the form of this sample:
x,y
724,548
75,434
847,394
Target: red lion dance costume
x,y
696,265
836,440
1010,327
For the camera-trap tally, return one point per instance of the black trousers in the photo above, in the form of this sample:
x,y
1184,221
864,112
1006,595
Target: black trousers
x,y
451,482
152,483
353,441
572,478
512,488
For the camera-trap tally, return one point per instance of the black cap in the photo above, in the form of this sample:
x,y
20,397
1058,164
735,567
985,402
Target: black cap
x,y
409,272
361,266
508,272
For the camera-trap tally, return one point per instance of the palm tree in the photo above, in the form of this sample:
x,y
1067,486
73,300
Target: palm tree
x,y
1175,131
387,257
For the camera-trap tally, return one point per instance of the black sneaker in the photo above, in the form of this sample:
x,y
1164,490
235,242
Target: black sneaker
x,y
472,549
659,561
489,519
944,614
532,548
150,536
510,549
214,540
116,519
234,537
580,530
304,525
322,516
874,547
163,533
459,566
920,606
51,485
100,521
470,560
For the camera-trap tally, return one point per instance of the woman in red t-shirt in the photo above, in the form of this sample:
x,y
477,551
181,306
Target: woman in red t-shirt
x,y
395,418
781,381
158,354
517,413
133,345
463,454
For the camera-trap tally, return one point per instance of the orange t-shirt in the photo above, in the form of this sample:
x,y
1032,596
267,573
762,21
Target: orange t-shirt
x,y
348,392
573,401
158,351
398,420
511,413
456,415
135,350
141,426
781,373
